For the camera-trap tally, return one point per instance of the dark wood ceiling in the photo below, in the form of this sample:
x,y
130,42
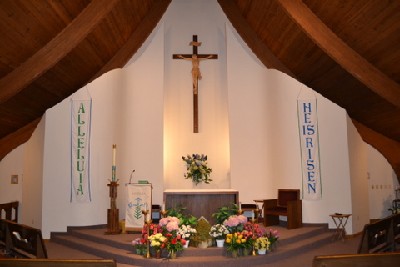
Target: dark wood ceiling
x,y
347,50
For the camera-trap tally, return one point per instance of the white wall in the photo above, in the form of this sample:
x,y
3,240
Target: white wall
x,y
182,20
32,184
12,164
381,184
359,181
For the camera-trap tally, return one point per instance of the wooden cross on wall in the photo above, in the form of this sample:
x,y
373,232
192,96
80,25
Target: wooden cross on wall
x,y
195,58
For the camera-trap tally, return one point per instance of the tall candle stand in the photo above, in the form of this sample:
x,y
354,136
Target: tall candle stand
x,y
113,212
253,220
147,223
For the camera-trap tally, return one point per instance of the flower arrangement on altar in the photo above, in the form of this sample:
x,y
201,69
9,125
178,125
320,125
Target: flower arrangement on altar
x,y
186,231
219,231
197,169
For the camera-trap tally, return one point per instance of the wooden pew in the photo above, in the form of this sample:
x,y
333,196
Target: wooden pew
x,y
23,241
10,209
390,259
396,231
377,237
287,204
5,239
56,263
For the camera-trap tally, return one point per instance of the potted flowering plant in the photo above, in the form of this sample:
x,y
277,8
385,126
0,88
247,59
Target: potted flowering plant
x,y
234,242
170,228
235,223
219,232
157,242
197,169
186,231
262,244
140,245
255,229
175,243
273,236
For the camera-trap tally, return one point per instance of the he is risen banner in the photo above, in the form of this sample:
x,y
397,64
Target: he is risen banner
x,y
80,150
308,132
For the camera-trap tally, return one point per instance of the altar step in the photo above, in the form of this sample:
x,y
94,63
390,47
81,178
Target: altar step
x,y
93,241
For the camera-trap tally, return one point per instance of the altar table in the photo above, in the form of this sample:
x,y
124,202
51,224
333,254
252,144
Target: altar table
x,y
200,202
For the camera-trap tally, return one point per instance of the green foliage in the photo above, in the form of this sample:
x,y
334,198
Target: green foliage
x,y
184,218
223,213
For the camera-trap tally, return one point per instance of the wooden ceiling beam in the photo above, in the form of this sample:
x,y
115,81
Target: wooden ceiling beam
x,y
56,49
386,146
17,138
251,38
341,53
137,38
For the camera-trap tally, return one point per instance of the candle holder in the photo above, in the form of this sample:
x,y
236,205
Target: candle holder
x,y
163,213
147,223
113,212
253,253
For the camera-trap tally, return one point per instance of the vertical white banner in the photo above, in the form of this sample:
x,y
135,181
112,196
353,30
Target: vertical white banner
x,y
139,198
80,150
309,142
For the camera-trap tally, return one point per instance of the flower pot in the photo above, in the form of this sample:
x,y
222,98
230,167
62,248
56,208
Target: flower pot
x,y
235,253
202,244
172,254
186,244
261,251
220,243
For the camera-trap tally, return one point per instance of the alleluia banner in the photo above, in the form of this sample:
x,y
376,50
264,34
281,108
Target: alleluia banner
x,y
80,150
309,142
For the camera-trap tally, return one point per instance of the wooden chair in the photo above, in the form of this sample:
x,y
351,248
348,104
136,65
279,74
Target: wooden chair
x,y
10,209
248,211
155,213
287,204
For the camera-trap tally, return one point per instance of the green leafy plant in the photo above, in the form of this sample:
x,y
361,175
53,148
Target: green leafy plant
x,y
181,213
223,213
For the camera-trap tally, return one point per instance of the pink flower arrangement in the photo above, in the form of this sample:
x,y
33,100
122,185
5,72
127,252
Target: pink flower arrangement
x,y
170,223
235,220
255,229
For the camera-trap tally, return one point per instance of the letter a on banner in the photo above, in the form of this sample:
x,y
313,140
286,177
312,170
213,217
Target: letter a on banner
x,y
80,149
309,142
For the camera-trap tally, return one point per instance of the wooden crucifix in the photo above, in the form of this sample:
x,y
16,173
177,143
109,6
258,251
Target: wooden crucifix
x,y
195,58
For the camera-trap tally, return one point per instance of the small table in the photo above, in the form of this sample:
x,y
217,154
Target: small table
x,y
340,221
